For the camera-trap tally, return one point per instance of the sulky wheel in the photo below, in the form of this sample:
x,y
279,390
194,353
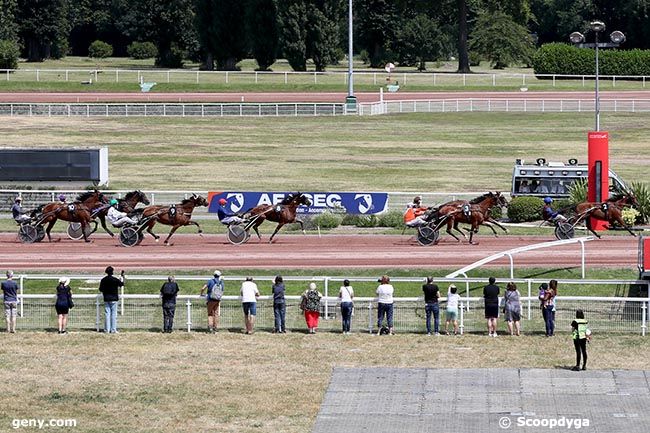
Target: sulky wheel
x,y
75,233
237,235
426,235
129,237
40,233
564,231
28,234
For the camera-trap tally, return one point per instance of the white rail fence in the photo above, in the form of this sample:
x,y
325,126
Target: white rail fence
x,y
303,109
605,314
528,105
429,79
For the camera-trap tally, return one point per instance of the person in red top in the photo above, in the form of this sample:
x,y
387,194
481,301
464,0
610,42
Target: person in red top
x,y
414,215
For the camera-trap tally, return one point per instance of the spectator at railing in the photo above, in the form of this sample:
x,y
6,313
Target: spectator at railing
x,y
10,297
168,293
215,288
310,304
491,298
452,309
249,295
512,309
279,305
431,306
346,298
547,296
385,304
109,286
63,303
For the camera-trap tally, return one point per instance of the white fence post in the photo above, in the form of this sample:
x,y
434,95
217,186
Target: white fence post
x,y
97,312
189,315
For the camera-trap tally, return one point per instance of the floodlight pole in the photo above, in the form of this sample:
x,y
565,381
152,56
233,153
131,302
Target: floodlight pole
x,y
597,102
350,74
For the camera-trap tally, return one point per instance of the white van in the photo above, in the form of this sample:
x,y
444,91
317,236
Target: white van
x,y
552,179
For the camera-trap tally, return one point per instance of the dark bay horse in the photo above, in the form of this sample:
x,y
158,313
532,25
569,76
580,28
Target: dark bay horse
x,y
475,213
176,215
282,213
77,212
610,211
126,204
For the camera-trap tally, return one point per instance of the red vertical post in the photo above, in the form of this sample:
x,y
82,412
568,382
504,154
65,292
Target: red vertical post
x,y
598,181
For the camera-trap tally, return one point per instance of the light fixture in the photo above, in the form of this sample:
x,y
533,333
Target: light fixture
x,y
617,37
597,26
551,172
576,38
579,173
564,172
523,172
537,172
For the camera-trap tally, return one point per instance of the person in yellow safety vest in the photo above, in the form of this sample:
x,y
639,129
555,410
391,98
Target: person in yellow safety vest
x,y
414,215
580,336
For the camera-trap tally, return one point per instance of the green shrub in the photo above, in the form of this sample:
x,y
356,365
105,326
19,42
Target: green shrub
x,y
496,212
392,218
327,220
523,209
642,194
142,50
630,216
578,191
100,50
9,53
561,58
367,221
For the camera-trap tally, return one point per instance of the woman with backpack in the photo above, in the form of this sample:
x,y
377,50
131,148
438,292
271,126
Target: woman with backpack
x,y
63,303
310,304
168,293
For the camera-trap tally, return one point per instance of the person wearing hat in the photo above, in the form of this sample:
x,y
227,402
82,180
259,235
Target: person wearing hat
x,y
310,305
63,303
17,211
168,293
10,296
548,214
116,217
109,286
415,214
451,312
226,217
62,198
215,288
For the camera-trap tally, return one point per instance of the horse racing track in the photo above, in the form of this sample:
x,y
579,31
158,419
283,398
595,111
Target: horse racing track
x,y
189,251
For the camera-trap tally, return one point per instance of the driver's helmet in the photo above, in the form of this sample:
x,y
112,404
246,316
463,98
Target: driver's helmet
x,y
222,201
18,199
548,200
61,197
417,199
113,202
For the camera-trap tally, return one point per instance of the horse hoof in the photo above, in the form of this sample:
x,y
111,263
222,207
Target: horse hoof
x,y
157,240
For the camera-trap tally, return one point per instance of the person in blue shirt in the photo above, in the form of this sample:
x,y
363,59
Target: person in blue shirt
x,y
215,288
17,211
548,214
9,289
226,217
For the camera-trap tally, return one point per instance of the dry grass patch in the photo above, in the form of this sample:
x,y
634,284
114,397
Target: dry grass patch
x,y
228,382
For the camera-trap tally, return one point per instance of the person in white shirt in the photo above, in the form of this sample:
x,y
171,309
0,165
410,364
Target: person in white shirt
x,y
452,309
385,303
116,217
249,295
346,295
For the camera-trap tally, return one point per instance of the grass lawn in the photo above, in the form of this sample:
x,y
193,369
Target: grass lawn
x,y
411,152
229,382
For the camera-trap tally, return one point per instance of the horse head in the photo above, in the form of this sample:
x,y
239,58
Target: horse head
x,y
501,200
199,200
302,199
139,196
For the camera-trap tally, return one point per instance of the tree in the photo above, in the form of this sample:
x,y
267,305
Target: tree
x,y
376,20
8,26
463,51
43,27
420,39
168,24
502,41
263,32
293,33
322,32
230,40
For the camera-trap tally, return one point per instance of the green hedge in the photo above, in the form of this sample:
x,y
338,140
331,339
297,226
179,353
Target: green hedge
x,y
566,59
327,220
9,53
522,209
142,50
392,218
100,50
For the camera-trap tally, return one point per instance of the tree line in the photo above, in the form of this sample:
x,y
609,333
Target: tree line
x,y
220,33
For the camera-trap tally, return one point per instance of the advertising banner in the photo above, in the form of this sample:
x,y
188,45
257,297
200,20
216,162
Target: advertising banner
x,y
366,203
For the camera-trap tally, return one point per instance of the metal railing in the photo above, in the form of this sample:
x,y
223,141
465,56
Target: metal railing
x,y
528,105
290,78
143,312
172,109
611,314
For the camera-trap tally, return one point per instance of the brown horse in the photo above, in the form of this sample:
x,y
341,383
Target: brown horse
x,y
476,213
175,215
610,211
78,212
126,204
283,213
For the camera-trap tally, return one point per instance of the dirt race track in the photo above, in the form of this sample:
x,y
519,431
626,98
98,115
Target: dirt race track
x,y
190,251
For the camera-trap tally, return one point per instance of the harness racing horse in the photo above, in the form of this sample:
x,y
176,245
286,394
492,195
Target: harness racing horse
x,y
126,204
76,212
283,213
176,215
610,211
475,213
